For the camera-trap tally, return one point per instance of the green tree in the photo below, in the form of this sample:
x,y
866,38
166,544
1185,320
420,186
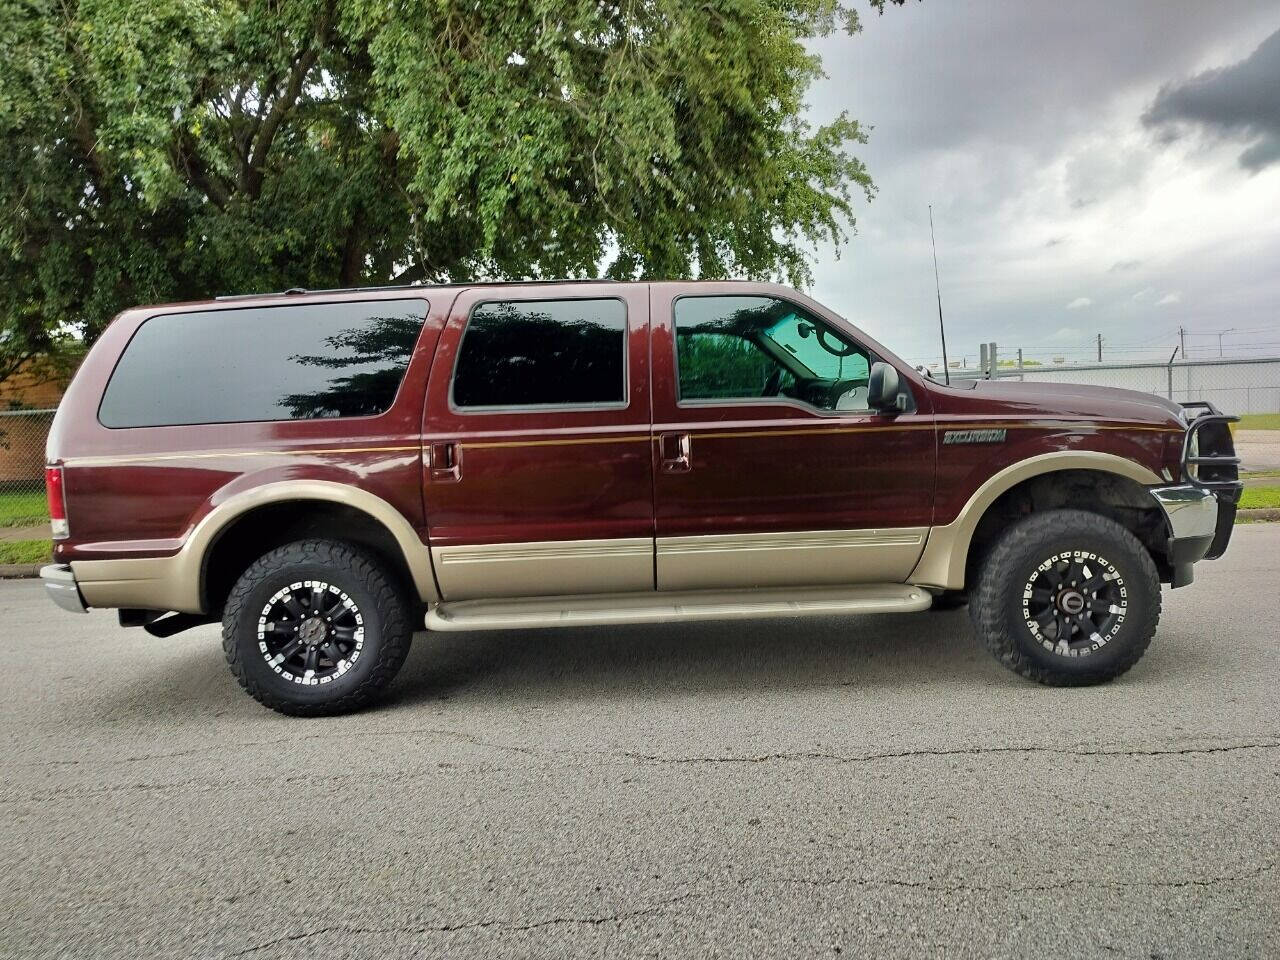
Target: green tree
x,y
171,149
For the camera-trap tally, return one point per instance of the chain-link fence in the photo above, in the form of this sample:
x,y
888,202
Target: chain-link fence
x,y
1235,386
22,436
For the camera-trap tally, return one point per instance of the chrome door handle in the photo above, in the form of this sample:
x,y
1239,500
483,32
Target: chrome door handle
x,y
444,461
676,451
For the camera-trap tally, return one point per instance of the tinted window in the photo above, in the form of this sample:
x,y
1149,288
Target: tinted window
x,y
542,353
720,366
748,347
303,362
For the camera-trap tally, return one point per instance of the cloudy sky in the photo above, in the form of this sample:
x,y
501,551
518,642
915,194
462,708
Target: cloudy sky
x,y
1094,167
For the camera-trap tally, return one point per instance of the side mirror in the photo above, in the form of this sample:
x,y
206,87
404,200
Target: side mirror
x,y
884,390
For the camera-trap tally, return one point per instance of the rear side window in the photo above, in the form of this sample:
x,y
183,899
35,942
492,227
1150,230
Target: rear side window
x,y
542,353
299,362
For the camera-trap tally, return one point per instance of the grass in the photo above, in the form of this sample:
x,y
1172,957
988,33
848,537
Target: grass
x,y
1256,497
25,551
1259,421
20,509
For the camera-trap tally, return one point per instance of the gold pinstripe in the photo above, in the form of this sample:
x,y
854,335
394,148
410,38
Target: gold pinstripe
x,y
955,425
219,454
575,441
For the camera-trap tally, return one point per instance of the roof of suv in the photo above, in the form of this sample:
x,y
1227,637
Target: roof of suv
x,y
299,291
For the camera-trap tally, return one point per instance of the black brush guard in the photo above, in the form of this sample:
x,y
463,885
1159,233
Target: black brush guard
x,y
1214,466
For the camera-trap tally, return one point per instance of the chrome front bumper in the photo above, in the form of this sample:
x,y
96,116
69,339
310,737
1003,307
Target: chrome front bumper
x,y
60,585
1192,513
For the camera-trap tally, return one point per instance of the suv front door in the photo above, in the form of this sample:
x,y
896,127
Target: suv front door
x,y
769,469
536,440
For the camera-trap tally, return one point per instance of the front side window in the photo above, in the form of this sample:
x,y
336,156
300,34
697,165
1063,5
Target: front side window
x,y
739,348
305,361
542,353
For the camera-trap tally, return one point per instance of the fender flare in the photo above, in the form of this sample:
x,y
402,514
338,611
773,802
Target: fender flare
x,y
946,551
416,554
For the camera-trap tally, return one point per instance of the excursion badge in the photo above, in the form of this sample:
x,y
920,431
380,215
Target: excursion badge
x,y
974,436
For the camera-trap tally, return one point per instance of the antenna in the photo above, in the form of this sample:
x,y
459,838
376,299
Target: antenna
x,y
946,370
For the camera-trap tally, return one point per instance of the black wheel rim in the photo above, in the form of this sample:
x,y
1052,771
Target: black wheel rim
x,y
310,632
1074,603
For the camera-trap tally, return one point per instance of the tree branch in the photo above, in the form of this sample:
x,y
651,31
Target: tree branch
x,y
11,365
283,104
187,156
353,251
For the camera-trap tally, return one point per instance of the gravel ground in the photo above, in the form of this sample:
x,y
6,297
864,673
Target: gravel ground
x,y
804,788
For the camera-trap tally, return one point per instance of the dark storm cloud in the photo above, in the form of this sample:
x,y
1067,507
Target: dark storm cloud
x,y
1242,100
1019,121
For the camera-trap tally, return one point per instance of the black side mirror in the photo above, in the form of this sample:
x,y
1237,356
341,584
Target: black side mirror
x,y
884,390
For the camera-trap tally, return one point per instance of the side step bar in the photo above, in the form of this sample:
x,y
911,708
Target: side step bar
x,y
604,609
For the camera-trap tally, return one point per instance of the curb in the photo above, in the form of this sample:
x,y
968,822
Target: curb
x,y
19,571
1258,514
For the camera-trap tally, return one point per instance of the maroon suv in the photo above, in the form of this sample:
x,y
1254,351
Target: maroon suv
x,y
321,470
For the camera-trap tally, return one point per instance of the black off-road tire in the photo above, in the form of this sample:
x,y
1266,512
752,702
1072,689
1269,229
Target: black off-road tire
x,y
377,595
1001,600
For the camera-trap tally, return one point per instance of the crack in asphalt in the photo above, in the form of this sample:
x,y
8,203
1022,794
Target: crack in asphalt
x,y
631,756
504,926
956,752
1039,888
659,908
475,741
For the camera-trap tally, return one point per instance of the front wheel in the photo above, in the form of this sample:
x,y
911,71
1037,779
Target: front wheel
x,y
316,627
1067,598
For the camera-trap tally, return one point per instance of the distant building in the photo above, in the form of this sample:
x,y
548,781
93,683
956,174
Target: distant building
x,y
37,385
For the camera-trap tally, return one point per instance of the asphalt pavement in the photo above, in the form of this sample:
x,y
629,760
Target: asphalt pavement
x,y
1258,449
872,786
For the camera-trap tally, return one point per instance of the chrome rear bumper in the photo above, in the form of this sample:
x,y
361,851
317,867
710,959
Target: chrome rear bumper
x,y
60,585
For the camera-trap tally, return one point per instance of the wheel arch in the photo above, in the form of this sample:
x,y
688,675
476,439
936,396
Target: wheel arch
x,y
288,509
944,564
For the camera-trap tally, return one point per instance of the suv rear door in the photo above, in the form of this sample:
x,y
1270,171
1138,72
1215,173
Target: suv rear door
x,y
536,434
770,469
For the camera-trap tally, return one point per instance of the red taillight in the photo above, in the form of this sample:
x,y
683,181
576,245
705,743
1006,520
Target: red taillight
x,y
57,502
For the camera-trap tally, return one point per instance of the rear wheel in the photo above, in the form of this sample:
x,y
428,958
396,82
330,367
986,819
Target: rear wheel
x,y
1067,598
316,627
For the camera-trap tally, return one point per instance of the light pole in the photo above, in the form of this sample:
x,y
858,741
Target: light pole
x,y
1228,330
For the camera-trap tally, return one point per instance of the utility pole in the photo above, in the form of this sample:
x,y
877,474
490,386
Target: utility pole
x,y
1182,339
1099,348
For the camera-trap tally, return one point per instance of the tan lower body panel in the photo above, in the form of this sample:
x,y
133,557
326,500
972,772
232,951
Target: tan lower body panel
x,y
544,568
652,607
943,562
152,583
788,559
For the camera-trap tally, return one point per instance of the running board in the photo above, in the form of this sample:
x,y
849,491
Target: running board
x,y
604,609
